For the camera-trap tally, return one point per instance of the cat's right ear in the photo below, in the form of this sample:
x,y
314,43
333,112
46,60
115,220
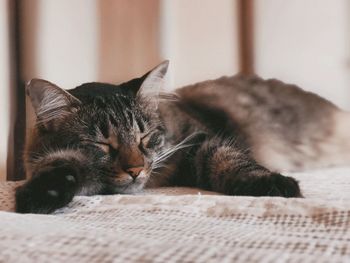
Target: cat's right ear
x,y
152,84
49,101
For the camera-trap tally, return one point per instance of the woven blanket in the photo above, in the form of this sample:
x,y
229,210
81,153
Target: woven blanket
x,y
186,225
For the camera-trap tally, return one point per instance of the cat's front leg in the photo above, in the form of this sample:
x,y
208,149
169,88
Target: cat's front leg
x,y
224,168
50,188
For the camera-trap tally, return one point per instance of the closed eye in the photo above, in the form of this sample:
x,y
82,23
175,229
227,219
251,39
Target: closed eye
x,y
106,147
151,140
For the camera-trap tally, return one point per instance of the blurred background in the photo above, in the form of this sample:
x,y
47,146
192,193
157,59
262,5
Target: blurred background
x,y
73,41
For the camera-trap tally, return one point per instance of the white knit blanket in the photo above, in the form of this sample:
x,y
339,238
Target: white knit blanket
x,y
187,225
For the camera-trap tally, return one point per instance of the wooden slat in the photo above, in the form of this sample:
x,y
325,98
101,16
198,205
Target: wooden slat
x,y
129,38
246,35
15,170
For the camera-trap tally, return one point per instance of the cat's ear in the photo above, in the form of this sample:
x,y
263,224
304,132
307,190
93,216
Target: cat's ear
x,y
49,101
153,82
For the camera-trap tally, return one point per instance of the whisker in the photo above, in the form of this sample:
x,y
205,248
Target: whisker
x,y
170,151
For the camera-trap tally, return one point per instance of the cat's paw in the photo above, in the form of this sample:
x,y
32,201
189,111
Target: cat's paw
x,y
47,191
266,185
280,185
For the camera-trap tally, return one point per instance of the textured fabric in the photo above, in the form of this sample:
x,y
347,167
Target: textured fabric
x,y
187,225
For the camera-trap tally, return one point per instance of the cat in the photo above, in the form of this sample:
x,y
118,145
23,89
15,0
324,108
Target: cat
x,y
233,135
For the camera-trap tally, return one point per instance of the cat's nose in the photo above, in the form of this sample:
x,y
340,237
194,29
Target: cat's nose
x,y
134,171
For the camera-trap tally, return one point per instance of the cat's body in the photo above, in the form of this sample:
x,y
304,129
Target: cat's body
x,y
285,127
232,135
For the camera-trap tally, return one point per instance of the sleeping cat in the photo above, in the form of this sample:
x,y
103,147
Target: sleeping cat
x,y
232,135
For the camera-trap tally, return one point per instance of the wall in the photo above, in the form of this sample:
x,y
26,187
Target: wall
x,y
61,41
307,43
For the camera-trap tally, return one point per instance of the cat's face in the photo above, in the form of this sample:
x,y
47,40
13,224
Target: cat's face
x,y
105,134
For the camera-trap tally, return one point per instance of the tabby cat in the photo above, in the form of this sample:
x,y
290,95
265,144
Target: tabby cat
x,y
232,135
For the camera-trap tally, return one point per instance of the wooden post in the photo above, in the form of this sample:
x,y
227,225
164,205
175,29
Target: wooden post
x,y
129,38
15,170
246,36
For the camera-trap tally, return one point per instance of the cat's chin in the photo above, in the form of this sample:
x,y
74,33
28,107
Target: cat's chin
x,y
124,185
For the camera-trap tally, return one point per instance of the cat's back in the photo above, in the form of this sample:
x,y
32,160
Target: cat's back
x,y
278,119
255,101
251,93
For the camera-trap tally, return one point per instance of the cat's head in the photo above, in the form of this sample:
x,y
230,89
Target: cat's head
x,y
103,134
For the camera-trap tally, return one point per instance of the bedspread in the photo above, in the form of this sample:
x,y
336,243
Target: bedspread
x,y
186,225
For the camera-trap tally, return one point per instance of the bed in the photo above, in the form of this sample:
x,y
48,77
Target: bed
x,y
186,225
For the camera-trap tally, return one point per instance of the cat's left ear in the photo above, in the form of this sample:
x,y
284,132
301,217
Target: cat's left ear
x,y
153,82
49,101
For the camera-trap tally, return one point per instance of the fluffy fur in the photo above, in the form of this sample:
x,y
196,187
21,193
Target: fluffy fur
x,y
232,135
